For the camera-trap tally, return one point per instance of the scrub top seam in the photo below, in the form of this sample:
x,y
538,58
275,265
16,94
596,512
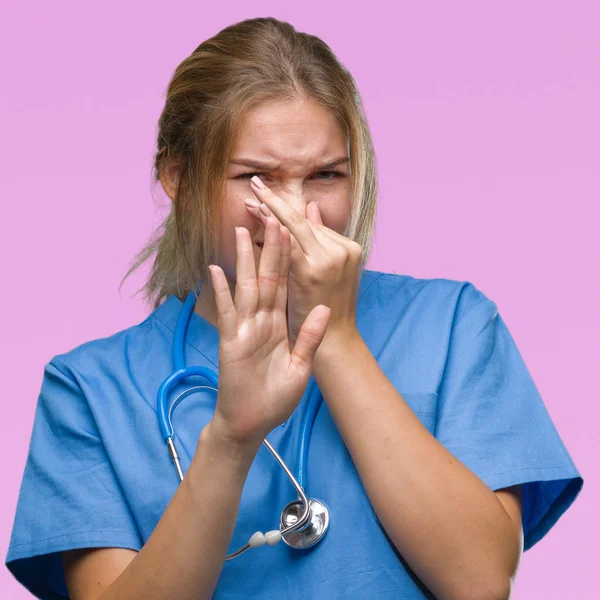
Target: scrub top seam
x,y
469,312
73,379
187,342
109,459
372,282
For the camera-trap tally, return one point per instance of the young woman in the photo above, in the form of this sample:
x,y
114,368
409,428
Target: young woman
x,y
429,454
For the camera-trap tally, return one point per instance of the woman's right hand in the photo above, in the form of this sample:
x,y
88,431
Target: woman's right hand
x,y
260,380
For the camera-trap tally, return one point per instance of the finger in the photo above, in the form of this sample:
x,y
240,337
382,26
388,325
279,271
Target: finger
x,y
246,288
313,213
284,265
268,269
310,336
227,315
292,219
313,218
334,235
327,241
332,241
295,250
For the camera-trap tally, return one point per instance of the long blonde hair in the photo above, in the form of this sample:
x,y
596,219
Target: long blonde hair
x,y
245,64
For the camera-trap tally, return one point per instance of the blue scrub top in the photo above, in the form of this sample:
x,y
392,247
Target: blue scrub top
x,y
98,473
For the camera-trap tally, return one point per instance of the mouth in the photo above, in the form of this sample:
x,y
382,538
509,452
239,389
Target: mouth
x,y
260,244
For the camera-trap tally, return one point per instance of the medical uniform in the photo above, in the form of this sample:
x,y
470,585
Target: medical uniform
x,y
98,473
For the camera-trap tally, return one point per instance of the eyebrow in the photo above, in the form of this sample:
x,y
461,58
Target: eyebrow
x,y
254,164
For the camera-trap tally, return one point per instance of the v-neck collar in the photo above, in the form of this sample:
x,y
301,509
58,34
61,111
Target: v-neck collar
x,y
201,335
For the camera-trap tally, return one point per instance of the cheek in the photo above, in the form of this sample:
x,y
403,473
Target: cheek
x,y
234,214
335,213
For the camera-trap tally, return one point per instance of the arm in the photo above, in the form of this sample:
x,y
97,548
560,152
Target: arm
x,y
261,381
184,556
453,531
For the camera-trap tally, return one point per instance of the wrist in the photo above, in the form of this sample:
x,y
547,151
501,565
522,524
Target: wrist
x,y
336,341
218,468
218,444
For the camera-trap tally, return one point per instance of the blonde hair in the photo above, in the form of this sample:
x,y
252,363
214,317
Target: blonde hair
x,y
245,64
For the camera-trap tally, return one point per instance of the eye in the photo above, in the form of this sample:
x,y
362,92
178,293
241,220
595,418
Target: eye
x,y
334,174
329,175
248,175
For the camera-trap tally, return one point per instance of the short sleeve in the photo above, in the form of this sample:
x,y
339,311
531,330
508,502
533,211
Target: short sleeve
x,y
492,418
69,496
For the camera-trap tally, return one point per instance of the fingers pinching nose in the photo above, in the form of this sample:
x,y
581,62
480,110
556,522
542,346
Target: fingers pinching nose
x,y
313,212
258,184
251,203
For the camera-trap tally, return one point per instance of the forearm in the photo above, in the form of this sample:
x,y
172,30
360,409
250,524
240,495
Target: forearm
x,y
446,523
184,556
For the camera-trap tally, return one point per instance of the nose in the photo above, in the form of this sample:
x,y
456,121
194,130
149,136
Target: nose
x,y
294,195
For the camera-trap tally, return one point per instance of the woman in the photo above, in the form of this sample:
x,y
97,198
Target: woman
x,y
432,448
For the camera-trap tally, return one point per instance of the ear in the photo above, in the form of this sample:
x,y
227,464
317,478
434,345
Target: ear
x,y
169,180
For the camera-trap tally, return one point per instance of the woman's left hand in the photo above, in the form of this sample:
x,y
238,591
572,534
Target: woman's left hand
x,y
324,266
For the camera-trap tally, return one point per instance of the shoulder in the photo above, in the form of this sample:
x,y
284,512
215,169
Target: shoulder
x,y
100,355
107,386
438,295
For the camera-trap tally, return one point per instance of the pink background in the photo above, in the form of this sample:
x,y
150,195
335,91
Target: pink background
x,y
486,122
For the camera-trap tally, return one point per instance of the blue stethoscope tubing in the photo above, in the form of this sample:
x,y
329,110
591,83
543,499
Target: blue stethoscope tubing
x,y
304,521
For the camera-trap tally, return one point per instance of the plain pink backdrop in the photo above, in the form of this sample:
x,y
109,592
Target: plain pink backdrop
x,y
486,123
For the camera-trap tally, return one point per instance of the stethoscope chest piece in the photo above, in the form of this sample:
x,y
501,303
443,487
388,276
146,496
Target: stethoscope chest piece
x,y
313,531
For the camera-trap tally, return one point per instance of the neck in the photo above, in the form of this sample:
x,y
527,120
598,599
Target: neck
x,y
205,304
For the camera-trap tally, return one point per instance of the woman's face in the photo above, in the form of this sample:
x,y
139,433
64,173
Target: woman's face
x,y
289,145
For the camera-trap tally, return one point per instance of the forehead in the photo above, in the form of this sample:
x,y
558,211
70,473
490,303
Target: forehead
x,y
289,133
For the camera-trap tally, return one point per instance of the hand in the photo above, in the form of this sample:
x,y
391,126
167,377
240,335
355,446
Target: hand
x,y
325,266
260,380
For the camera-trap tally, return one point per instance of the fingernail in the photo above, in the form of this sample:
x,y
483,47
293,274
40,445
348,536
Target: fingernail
x,y
264,209
252,203
257,182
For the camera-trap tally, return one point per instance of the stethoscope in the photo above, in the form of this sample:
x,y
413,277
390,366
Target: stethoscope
x,y
304,521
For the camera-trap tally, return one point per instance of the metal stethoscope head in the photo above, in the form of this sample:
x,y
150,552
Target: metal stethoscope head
x,y
304,521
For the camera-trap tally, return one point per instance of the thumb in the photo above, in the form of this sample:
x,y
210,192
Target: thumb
x,y
310,336
313,213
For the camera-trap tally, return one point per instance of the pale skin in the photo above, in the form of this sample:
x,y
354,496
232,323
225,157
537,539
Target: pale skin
x,y
299,142
461,539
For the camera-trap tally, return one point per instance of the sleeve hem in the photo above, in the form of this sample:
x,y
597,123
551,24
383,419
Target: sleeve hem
x,y
95,538
504,479
548,492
